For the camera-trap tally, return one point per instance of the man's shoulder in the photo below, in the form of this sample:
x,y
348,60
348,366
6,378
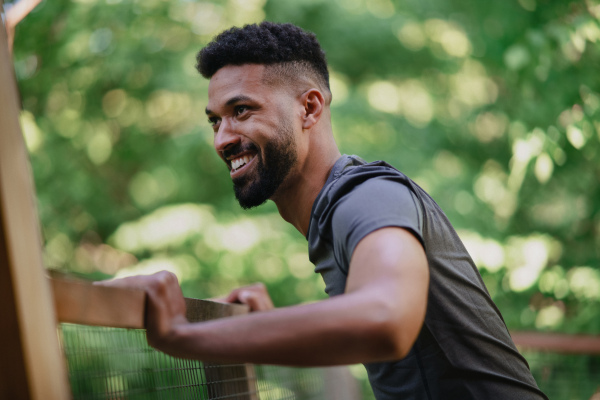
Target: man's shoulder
x,y
360,194
351,174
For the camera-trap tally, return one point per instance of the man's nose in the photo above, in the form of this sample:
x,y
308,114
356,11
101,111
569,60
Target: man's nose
x,y
225,136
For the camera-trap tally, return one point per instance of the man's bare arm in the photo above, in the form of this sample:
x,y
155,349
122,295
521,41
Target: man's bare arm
x,y
377,319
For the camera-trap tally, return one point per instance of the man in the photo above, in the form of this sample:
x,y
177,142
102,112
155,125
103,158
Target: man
x,y
406,298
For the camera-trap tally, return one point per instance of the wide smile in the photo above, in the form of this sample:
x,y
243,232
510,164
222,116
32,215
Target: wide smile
x,y
240,163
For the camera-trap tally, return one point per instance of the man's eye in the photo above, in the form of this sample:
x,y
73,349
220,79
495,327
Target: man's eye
x,y
239,110
213,121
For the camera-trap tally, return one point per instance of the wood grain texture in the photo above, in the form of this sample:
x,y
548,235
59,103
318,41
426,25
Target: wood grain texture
x,y
230,380
37,368
204,310
83,303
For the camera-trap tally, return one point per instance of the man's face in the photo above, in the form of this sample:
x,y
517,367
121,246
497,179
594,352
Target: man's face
x,y
254,131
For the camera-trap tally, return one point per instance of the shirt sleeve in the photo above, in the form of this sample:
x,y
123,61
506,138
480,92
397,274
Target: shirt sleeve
x,y
377,203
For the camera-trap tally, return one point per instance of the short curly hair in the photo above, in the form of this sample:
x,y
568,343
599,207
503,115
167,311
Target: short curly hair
x,y
285,46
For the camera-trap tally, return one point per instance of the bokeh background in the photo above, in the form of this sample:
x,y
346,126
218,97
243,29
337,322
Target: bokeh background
x,y
492,106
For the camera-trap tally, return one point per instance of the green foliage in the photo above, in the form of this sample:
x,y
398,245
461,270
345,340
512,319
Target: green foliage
x,y
493,107
565,376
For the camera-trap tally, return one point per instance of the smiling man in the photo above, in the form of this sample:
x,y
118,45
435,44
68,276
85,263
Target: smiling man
x,y
405,297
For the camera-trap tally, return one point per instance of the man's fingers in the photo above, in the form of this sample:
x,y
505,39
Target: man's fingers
x,y
161,285
165,306
255,302
255,296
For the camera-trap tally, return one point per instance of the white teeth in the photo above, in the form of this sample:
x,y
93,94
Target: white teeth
x,y
239,162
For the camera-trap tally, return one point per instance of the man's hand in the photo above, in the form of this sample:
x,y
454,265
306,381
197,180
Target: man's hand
x,y
255,296
165,309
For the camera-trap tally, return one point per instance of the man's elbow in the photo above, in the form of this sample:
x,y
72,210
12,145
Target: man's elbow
x,y
394,333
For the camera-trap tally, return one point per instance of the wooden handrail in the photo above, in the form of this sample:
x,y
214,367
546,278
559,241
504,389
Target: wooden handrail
x,y
557,342
81,302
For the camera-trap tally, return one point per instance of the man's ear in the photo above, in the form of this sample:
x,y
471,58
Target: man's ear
x,y
313,103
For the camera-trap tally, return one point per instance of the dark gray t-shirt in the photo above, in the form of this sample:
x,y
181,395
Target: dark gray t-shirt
x,y
464,350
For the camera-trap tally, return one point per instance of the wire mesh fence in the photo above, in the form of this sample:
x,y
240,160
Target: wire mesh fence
x,y
115,363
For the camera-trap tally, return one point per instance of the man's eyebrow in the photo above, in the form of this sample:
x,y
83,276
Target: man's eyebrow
x,y
237,99
233,100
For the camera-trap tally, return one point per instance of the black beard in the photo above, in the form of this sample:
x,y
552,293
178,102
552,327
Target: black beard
x,y
251,190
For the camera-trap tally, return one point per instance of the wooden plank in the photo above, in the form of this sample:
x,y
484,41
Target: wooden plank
x,y
557,343
228,380
28,341
205,310
83,303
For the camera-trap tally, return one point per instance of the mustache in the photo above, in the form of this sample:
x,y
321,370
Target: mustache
x,y
239,148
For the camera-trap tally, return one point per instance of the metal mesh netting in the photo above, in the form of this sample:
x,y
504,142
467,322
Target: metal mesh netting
x,y
566,377
115,363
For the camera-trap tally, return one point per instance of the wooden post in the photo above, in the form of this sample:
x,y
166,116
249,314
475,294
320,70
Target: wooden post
x,y
31,365
235,378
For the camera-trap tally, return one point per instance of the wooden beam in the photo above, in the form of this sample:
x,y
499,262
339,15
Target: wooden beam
x,y
31,364
204,310
81,302
557,342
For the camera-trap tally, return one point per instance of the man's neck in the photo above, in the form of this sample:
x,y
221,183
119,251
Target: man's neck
x,y
296,199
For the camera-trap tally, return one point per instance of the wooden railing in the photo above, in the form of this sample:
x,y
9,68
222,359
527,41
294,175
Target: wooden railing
x,y
557,342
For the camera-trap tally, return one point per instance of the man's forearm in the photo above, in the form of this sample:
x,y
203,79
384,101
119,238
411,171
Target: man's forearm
x,y
342,330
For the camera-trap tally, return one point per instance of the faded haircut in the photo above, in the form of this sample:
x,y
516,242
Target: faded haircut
x,y
288,51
